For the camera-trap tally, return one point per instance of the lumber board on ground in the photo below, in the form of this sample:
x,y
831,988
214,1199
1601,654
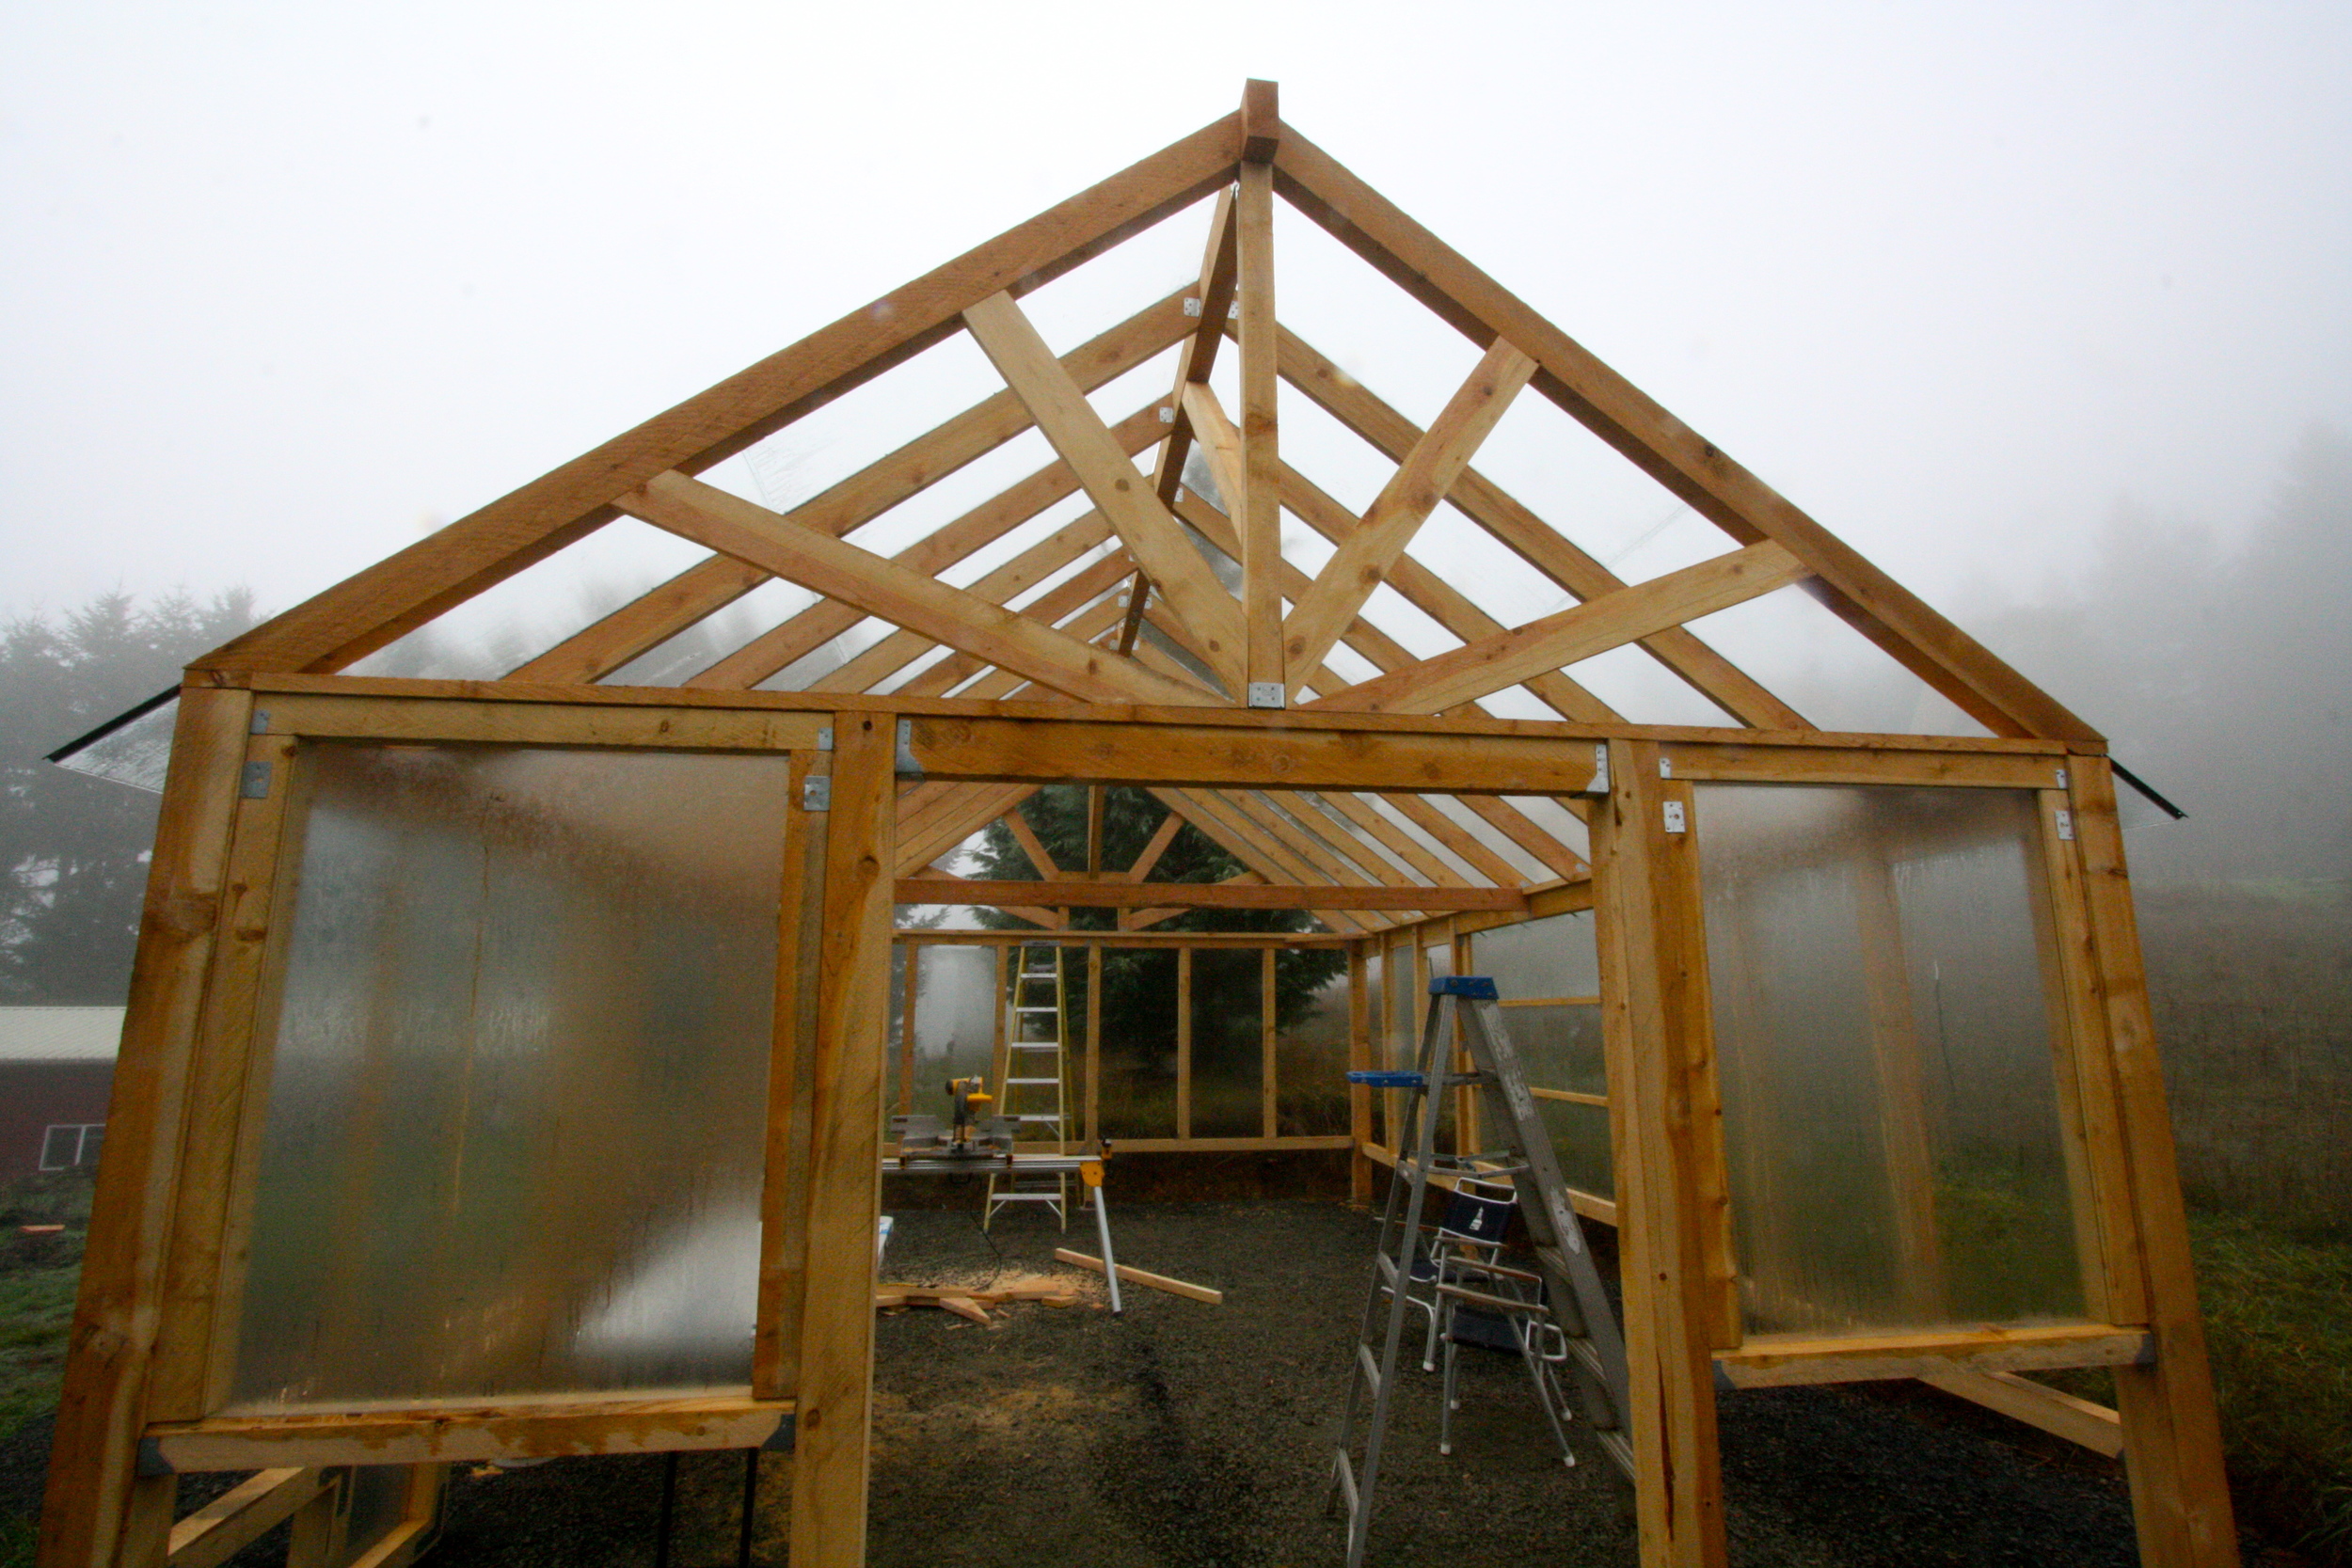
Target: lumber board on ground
x,y
1138,1276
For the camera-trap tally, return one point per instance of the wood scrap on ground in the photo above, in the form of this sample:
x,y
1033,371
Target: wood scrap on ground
x,y
1138,1276
973,1302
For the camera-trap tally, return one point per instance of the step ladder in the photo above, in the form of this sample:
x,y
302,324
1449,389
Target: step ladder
x,y
1573,1301
1035,1080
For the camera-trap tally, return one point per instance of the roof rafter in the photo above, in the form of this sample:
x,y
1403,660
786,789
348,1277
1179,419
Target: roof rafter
x,y
708,587
842,571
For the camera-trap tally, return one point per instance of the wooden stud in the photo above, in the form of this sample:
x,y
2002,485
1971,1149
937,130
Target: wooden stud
x,y
792,1086
1258,503
914,957
102,1412
1268,1086
1358,1060
1644,951
2122,1294
1902,1084
830,1457
1094,1045
1183,1042
2171,1430
1110,481
197,1335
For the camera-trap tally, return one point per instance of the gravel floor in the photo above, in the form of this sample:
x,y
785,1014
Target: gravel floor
x,y
1190,1435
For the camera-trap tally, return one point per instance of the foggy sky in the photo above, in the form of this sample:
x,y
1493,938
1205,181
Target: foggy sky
x,y
286,285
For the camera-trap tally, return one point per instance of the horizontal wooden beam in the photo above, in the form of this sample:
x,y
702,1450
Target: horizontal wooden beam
x,y
438,1435
1776,1360
1203,896
443,719
1012,749
1863,766
1470,727
932,937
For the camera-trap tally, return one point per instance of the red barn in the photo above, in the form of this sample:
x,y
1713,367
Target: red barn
x,y
56,1070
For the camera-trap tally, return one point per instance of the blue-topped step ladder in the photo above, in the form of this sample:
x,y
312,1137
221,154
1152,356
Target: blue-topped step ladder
x,y
1569,1308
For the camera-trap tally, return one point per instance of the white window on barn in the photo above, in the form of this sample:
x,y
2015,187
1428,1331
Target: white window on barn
x,y
65,1146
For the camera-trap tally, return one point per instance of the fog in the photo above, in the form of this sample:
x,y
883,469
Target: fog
x,y
2046,310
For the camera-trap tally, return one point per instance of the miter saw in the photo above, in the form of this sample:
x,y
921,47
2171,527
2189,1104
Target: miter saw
x,y
971,1136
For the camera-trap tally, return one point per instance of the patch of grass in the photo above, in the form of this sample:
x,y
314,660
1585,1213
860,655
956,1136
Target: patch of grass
x,y
2277,1303
38,1278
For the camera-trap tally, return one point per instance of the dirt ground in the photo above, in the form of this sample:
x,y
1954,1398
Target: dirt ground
x,y
1189,1435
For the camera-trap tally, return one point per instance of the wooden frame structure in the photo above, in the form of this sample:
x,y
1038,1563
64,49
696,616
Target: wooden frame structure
x,y
1109,650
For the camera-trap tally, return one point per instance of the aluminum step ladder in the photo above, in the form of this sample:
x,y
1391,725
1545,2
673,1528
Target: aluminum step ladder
x,y
1034,1079
1573,1301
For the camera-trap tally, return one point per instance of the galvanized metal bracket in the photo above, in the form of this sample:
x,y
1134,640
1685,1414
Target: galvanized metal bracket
x,y
253,783
904,764
1265,693
261,722
816,793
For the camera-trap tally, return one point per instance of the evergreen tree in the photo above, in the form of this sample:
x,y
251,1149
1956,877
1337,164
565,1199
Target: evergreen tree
x,y
1139,984
73,850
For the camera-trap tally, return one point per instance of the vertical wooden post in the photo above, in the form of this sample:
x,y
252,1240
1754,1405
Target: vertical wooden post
x,y
1183,1042
100,1415
1267,1086
1902,1086
791,1077
1358,1060
1467,1097
1094,1042
906,1029
196,1348
1653,960
830,1453
2171,1431
1007,991
1257,517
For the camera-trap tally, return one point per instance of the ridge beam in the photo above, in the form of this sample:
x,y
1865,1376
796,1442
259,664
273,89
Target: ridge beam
x,y
1364,557
1149,529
